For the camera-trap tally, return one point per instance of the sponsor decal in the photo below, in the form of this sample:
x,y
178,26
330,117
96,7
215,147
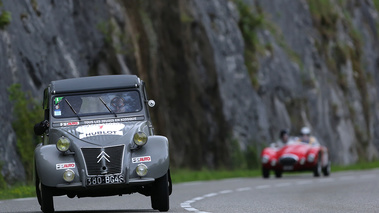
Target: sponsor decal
x,y
75,123
141,159
57,100
105,121
100,129
60,166
57,112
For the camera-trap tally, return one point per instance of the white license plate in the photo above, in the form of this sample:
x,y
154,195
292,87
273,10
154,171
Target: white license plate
x,y
287,168
105,179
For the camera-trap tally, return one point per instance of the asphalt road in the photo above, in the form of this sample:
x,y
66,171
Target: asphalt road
x,y
341,192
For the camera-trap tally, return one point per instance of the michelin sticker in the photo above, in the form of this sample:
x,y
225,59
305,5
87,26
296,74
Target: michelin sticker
x,y
141,159
60,166
100,129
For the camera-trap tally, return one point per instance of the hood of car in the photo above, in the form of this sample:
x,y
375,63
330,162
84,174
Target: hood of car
x,y
299,149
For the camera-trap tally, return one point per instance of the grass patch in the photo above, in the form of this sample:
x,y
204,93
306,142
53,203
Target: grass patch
x,y
18,191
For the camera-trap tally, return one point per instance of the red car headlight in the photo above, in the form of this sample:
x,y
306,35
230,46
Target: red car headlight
x,y
265,159
311,158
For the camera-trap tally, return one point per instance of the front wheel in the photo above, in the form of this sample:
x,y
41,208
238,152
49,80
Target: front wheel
x,y
160,194
265,172
47,203
278,173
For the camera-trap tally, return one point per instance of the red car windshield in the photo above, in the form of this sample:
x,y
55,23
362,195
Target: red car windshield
x,y
96,104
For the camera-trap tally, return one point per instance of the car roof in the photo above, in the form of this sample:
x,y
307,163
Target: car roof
x,y
94,83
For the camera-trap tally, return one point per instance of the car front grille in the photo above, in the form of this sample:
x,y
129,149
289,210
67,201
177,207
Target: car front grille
x,y
105,160
287,161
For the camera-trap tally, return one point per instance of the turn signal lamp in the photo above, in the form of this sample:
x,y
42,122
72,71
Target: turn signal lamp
x,y
63,144
140,138
141,170
69,175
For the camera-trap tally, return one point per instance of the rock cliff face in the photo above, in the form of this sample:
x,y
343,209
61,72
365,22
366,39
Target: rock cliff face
x,y
226,75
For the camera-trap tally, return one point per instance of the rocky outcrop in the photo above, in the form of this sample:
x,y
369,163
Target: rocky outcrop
x,y
226,75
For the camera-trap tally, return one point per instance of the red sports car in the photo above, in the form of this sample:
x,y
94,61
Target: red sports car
x,y
295,156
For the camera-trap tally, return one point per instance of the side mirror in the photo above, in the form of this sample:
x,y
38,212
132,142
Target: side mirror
x,y
151,103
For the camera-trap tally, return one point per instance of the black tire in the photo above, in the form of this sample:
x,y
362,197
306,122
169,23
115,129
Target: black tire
x,y
278,173
47,205
265,173
318,167
38,186
169,183
160,194
326,169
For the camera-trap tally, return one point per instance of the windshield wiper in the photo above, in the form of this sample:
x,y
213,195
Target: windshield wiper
x,y
107,107
72,108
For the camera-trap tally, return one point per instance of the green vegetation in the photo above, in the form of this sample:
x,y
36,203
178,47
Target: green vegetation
x,y
376,4
249,23
27,112
324,17
5,17
3,184
19,191
248,159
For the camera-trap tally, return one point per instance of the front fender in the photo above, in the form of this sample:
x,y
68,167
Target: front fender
x,y
51,164
154,154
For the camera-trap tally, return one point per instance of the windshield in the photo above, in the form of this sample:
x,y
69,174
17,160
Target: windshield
x,y
96,104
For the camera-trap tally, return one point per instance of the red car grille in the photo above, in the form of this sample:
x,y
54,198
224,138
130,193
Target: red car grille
x,y
287,161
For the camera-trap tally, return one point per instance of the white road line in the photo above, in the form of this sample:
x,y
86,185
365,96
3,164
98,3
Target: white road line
x,y
283,184
211,195
304,182
187,204
263,187
243,189
326,180
225,191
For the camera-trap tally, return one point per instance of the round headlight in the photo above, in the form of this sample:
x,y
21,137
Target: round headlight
x,y
140,138
311,158
69,175
265,159
141,170
63,144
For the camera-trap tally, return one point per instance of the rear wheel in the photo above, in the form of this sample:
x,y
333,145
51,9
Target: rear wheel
x,y
326,169
160,194
318,167
265,172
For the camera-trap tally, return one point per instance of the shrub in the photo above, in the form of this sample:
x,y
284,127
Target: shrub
x,y
26,113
